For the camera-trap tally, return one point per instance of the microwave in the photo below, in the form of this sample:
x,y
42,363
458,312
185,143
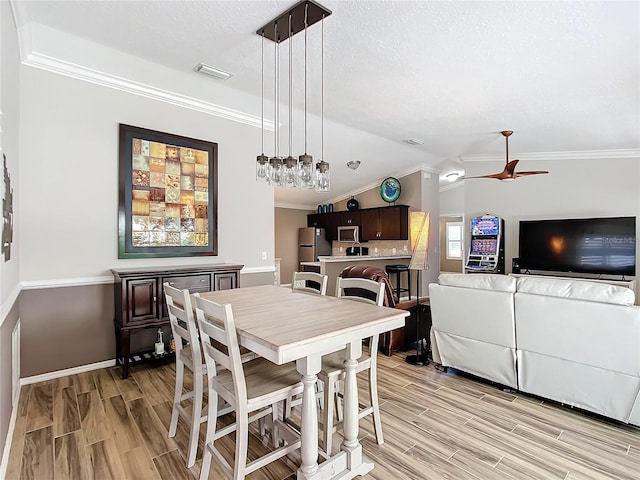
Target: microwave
x,y
348,234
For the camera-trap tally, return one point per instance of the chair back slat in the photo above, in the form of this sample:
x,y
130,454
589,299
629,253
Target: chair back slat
x,y
360,290
216,322
310,282
182,321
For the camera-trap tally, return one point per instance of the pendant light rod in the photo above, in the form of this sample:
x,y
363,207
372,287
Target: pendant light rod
x,y
290,90
322,93
262,89
275,95
305,79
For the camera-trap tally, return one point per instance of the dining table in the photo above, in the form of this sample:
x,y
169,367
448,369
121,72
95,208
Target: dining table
x,y
283,325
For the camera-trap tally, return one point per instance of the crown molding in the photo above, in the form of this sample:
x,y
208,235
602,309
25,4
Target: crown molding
x,y
295,206
52,64
569,155
80,72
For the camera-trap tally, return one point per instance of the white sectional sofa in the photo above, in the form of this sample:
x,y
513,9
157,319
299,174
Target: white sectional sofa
x,y
574,341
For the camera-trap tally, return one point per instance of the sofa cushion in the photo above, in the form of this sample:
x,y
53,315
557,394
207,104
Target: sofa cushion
x,y
577,289
483,281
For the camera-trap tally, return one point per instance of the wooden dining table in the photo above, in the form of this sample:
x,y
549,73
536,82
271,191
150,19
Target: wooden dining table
x,y
283,326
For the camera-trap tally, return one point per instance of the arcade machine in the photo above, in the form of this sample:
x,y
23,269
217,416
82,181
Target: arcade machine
x,y
486,247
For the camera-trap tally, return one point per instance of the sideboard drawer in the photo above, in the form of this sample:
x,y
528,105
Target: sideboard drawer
x,y
192,282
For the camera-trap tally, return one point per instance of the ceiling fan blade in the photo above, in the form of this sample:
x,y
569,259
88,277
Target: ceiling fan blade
x,y
535,172
499,176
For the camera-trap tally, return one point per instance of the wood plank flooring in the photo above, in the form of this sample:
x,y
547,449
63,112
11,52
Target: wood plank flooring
x,y
436,426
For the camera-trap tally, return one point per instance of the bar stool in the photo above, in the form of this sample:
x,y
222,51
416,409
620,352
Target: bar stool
x,y
398,270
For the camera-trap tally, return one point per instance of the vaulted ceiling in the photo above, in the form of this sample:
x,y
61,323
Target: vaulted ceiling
x,y
565,76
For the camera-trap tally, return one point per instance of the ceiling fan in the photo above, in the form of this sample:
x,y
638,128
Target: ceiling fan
x,y
509,172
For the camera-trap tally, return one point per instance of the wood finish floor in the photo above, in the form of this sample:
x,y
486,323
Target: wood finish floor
x,y
436,426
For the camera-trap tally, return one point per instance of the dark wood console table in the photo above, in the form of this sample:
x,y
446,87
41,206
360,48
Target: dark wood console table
x,y
140,303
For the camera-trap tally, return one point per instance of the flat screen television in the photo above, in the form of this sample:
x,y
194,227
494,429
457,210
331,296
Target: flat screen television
x,y
605,246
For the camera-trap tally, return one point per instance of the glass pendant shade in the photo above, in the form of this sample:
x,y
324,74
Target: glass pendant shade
x,y
306,175
262,168
276,176
290,172
323,179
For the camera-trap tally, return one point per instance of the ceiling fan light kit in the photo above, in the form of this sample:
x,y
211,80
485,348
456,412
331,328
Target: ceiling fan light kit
x,y
509,173
291,172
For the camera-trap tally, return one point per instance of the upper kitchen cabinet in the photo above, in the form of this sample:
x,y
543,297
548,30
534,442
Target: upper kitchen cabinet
x,y
331,221
385,223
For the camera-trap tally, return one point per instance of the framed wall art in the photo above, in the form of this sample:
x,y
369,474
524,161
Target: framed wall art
x,y
167,205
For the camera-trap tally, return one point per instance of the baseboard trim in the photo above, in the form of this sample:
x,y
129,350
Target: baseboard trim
x,y
67,371
9,440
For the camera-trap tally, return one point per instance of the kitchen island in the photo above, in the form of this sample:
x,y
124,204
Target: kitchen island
x,y
333,265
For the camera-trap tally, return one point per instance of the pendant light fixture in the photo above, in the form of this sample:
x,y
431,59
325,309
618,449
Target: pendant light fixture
x,y
290,163
288,171
323,183
275,163
262,162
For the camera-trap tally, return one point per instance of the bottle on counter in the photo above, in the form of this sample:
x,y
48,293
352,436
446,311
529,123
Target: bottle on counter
x,y
159,343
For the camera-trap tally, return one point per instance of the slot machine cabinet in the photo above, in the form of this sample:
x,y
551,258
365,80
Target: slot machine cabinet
x,y
486,245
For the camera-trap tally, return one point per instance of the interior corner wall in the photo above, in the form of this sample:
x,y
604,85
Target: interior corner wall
x,y
572,189
9,269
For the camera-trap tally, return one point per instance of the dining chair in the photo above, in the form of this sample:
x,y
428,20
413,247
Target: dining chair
x,y
253,389
189,354
310,282
360,290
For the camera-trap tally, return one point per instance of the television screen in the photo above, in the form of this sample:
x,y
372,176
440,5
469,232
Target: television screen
x,y
582,245
485,226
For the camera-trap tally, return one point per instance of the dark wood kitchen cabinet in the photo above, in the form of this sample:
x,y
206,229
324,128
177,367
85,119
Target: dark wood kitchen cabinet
x,y
140,304
385,223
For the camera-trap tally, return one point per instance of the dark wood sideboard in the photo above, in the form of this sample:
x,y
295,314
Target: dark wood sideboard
x,y
140,304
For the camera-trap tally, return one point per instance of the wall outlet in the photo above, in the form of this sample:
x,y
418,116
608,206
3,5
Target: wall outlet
x,y
264,255
405,248
393,250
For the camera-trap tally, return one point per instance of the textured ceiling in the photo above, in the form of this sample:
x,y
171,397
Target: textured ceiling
x,y
563,75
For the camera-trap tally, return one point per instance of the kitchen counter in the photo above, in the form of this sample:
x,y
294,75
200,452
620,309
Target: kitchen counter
x,y
360,258
334,264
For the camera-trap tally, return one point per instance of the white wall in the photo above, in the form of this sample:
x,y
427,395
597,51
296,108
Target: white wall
x,y
452,199
69,163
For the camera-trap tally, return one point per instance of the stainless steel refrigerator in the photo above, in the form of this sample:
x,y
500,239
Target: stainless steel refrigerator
x,y
311,243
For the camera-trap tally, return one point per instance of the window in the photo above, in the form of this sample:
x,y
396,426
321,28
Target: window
x,y
454,240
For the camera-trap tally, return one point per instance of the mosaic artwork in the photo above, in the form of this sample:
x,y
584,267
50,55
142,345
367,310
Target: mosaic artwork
x,y
169,196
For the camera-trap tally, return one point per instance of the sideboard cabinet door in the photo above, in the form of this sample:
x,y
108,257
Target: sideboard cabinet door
x,y
142,299
225,281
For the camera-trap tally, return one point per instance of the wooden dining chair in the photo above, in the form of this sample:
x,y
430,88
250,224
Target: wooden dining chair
x,y
310,282
360,290
189,354
253,389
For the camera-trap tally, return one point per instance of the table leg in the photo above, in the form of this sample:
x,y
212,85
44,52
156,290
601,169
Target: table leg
x,y
309,368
